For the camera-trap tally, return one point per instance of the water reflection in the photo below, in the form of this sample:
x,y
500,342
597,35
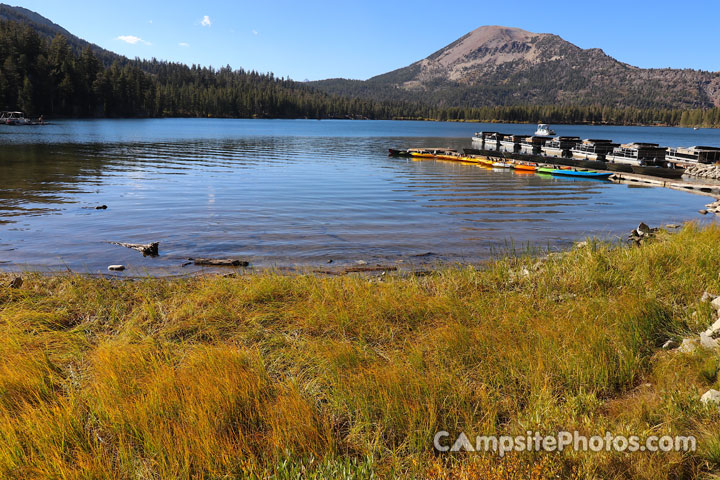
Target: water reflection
x,y
292,198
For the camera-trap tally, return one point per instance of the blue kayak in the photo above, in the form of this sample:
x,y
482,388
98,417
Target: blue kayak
x,y
582,173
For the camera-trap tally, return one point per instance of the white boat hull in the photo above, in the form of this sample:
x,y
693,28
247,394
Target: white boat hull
x,y
624,160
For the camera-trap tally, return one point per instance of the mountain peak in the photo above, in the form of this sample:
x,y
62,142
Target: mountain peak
x,y
499,65
493,33
494,43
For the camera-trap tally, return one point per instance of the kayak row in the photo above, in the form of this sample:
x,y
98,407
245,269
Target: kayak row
x,y
443,154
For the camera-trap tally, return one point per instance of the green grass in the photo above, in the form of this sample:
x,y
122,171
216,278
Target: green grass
x,y
271,376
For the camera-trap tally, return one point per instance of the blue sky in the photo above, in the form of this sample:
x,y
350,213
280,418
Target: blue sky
x,y
323,39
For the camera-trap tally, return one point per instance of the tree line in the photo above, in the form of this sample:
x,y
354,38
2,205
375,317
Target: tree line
x,y
48,77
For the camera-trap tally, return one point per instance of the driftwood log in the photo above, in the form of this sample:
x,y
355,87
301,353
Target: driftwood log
x,y
358,269
219,262
146,249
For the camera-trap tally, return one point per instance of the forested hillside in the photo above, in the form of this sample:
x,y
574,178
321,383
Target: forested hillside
x,y
40,76
63,76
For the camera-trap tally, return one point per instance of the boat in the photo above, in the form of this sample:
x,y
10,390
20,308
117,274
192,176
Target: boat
x,y
469,159
449,156
394,152
559,146
544,130
502,165
637,153
546,170
421,154
592,149
492,140
14,118
618,167
658,171
511,143
525,166
697,154
582,173
446,153
533,145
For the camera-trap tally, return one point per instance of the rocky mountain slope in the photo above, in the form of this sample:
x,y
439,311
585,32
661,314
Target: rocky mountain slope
x,y
496,65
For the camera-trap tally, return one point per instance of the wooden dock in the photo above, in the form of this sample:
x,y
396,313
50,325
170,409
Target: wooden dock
x,y
709,189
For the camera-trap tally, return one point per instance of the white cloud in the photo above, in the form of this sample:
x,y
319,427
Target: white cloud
x,y
255,32
184,44
205,22
132,40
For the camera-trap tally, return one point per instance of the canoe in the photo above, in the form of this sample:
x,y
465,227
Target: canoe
x,y
582,173
546,170
527,167
421,154
485,161
502,165
394,152
448,157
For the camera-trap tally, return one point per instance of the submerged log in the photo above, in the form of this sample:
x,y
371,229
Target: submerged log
x,y
219,262
368,268
357,269
146,249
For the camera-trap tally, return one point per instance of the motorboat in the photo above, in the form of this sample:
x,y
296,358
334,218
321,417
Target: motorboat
x,y
544,130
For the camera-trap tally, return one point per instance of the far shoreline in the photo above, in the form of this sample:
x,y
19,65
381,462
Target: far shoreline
x,y
49,121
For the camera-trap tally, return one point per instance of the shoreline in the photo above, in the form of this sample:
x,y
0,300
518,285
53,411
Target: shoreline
x,y
268,375
401,119
407,266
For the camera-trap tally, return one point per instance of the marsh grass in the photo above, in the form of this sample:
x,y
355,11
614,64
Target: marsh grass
x,y
272,376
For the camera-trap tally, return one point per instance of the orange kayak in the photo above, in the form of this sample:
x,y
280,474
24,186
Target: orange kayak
x,y
525,167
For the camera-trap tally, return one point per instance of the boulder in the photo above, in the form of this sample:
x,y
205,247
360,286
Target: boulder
x,y
711,397
116,268
643,229
670,344
703,212
708,342
707,297
642,233
16,282
715,303
714,330
688,345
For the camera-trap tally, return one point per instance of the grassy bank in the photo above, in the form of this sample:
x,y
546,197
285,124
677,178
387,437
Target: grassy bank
x,y
305,376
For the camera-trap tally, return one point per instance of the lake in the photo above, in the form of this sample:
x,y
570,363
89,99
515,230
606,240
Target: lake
x,y
302,193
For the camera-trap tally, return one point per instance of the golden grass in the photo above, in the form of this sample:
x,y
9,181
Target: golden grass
x,y
310,377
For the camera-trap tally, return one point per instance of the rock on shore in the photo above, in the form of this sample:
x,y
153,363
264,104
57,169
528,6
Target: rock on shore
x,y
703,171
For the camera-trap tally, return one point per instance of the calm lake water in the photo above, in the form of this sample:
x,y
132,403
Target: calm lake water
x,y
297,193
